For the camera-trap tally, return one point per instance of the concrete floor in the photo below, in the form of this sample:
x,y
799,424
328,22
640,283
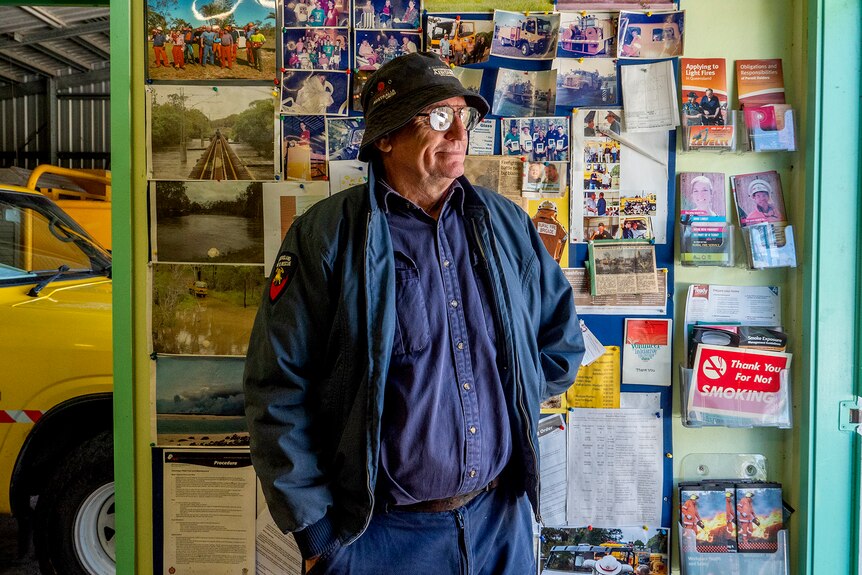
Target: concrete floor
x,y
9,562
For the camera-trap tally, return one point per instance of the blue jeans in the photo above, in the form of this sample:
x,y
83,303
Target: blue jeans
x,y
208,55
491,535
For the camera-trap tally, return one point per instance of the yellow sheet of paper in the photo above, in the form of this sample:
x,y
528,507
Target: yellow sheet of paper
x,y
598,384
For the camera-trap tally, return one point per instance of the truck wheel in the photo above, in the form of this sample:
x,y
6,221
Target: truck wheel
x,y
525,49
74,531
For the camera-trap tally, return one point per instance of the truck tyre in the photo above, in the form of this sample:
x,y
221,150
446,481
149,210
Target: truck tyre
x,y
74,531
525,48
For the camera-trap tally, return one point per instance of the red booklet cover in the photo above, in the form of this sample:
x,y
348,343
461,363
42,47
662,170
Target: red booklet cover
x,y
760,82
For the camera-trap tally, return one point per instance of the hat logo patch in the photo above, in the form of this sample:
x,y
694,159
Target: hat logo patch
x,y
444,72
282,273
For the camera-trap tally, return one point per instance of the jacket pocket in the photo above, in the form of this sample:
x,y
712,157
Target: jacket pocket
x,y
411,331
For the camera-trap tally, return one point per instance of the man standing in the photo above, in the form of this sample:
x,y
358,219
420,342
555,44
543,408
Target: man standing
x,y
410,331
159,40
208,40
614,122
692,114
257,42
602,204
226,48
512,141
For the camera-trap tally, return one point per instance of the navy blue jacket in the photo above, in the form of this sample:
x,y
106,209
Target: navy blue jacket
x,y
318,357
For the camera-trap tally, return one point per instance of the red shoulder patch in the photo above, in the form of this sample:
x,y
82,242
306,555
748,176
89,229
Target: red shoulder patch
x,y
283,271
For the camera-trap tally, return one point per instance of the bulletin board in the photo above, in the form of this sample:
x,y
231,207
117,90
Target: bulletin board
x,y
240,147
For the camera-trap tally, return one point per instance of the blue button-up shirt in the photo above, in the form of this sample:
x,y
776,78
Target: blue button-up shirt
x,y
445,428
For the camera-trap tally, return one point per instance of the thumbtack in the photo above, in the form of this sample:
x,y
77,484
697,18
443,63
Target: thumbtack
x,y
301,186
277,177
215,88
580,60
649,14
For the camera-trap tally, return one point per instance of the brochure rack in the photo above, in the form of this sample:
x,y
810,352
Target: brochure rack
x,y
736,405
702,244
769,129
770,245
712,138
728,467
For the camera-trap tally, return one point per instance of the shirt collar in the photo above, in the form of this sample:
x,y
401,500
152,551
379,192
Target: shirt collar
x,y
389,199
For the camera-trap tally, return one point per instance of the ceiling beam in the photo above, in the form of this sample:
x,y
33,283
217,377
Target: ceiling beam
x,y
24,39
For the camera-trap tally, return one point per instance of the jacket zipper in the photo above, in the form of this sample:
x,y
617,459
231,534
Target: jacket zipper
x,y
517,377
367,473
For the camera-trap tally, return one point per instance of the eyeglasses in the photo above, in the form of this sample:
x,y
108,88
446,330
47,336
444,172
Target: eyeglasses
x,y
441,118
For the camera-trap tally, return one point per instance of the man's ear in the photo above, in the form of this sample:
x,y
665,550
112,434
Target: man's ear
x,y
383,144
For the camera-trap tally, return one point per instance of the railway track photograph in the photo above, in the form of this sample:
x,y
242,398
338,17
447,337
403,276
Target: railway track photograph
x,y
211,133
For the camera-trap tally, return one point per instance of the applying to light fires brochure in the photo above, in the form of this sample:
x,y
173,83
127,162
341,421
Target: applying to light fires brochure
x,y
647,352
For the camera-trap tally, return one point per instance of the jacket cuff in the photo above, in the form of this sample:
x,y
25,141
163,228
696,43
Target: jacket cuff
x,y
316,539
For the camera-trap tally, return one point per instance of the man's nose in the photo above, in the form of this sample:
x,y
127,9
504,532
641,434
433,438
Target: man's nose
x,y
457,131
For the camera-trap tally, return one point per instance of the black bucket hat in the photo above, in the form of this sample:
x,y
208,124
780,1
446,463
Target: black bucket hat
x,y
401,88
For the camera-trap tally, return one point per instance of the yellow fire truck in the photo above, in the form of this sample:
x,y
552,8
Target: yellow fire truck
x,y
56,442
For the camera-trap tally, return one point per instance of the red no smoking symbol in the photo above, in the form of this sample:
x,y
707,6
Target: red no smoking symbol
x,y
714,367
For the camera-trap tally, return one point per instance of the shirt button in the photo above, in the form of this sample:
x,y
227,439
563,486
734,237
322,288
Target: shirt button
x,y
446,263
454,303
472,473
460,345
467,386
472,429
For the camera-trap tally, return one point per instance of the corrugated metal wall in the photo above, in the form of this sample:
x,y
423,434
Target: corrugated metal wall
x,y
83,128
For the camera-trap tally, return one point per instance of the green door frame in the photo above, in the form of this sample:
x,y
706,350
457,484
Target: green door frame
x,y
829,485
828,541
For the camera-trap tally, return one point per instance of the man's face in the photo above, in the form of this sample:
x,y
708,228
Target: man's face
x,y
761,199
427,153
708,93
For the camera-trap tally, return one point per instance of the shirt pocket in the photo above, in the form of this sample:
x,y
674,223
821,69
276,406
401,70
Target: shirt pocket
x,y
412,333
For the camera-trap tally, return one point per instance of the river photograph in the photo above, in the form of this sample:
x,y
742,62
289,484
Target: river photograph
x,y
208,222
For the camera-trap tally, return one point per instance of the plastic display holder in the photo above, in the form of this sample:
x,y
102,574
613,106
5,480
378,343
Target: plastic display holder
x,y
712,138
777,407
769,245
706,245
769,129
728,467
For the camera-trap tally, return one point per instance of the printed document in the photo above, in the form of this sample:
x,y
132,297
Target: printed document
x,y
552,466
649,97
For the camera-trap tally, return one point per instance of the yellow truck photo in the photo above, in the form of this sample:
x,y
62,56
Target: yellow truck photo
x,y
532,35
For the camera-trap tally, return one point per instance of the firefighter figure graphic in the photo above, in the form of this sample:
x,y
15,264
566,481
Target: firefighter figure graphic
x,y
746,518
691,520
730,515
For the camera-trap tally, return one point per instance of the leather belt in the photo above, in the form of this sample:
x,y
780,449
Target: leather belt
x,y
445,504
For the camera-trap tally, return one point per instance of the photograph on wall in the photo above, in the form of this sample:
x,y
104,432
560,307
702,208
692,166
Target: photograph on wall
x,y
207,133
481,6
634,228
541,179
602,164
357,82
343,138
344,174
601,177
309,93
470,78
638,203
376,47
600,228
316,48
531,36
459,41
537,139
303,147
204,309
283,202
219,41
591,82
207,222
576,549
650,34
522,93
317,13
587,35
601,151
199,401
382,14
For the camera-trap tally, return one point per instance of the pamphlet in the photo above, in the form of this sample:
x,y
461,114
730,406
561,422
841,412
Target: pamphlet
x,y
759,82
647,352
705,235
704,93
759,198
